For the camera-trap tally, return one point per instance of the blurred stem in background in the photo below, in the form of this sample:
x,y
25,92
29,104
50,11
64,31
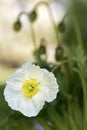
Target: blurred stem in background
x,y
80,64
76,27
61,63
78,60
50,15
17,26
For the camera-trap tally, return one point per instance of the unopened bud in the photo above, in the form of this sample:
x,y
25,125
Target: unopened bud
x,y
17,26
61,27
33,16
42,49
59,53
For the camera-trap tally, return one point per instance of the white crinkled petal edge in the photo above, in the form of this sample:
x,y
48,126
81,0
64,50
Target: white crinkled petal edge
x,y
49,87
28,107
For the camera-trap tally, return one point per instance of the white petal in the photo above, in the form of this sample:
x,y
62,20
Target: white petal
x,y
16,80
49,86
13,98
28,107
49,92
38,100
18,102
33,71
31,107
48,78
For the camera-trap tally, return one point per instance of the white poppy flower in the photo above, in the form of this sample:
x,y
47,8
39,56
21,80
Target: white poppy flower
x,y
28,89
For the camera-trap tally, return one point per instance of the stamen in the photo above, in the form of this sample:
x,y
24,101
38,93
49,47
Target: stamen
x,y
30,87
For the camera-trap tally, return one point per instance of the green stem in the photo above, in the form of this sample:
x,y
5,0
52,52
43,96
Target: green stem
x,y
81,71
76,27
50,15
22,13
31,28
60,64
33,36
77,30
83,78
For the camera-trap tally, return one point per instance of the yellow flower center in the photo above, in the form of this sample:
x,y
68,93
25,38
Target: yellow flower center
x,y
30,87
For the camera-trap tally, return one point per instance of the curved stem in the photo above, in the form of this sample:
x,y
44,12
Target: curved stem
x,y
22,13
31,27
50,15
62,63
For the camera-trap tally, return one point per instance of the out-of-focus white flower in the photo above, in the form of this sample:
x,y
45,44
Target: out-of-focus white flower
x,y
58,10
28,89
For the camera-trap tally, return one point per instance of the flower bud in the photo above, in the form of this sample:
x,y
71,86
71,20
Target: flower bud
x,y
42,49
33,16
17,26
59,53
61,27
